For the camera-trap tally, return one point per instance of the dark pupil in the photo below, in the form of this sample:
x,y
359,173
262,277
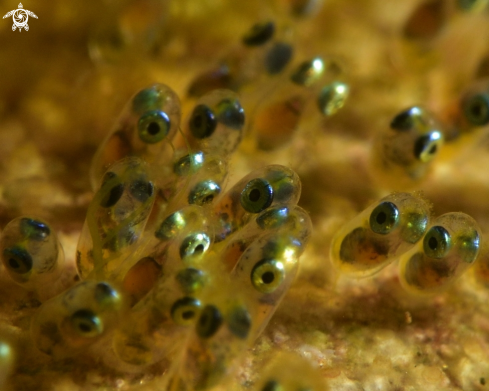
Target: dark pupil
x,y
18,259
422,144
205,321
254,195
188,314
209,322
141,190
267,277
199,249
153,128
381,218
13,263
85,327
433,243
278,57
259,34
103,291
113,196
208,199
402,121
198,121
477,109
203,122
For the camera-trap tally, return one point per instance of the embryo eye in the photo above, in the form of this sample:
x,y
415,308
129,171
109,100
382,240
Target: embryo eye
x,y
86,323
436,242
476,109
267,275
257,195
384,218
153,126
259,34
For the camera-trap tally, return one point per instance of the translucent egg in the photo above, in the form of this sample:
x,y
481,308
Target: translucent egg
x,y
116,219
67,324
265,272
292,219
32,255
276,115
265,51
216,123
161,321
402,155
259,190
449,247
145,129
379,234
220,335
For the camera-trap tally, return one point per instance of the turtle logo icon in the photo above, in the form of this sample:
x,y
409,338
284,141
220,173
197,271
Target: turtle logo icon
x,y
20,17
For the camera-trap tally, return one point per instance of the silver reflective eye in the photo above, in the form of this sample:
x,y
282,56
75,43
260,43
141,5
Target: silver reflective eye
x,y
188,164
171,226
308,72
204,193
194,245
86,324
332,98
405,119
426,147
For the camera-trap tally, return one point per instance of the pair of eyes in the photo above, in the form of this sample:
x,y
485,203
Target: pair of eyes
x,y
426,146
188,310
278,55
256,196
266,276
203,121
86,323
211,319
438,242
140,189
16,258
386,217
194,244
